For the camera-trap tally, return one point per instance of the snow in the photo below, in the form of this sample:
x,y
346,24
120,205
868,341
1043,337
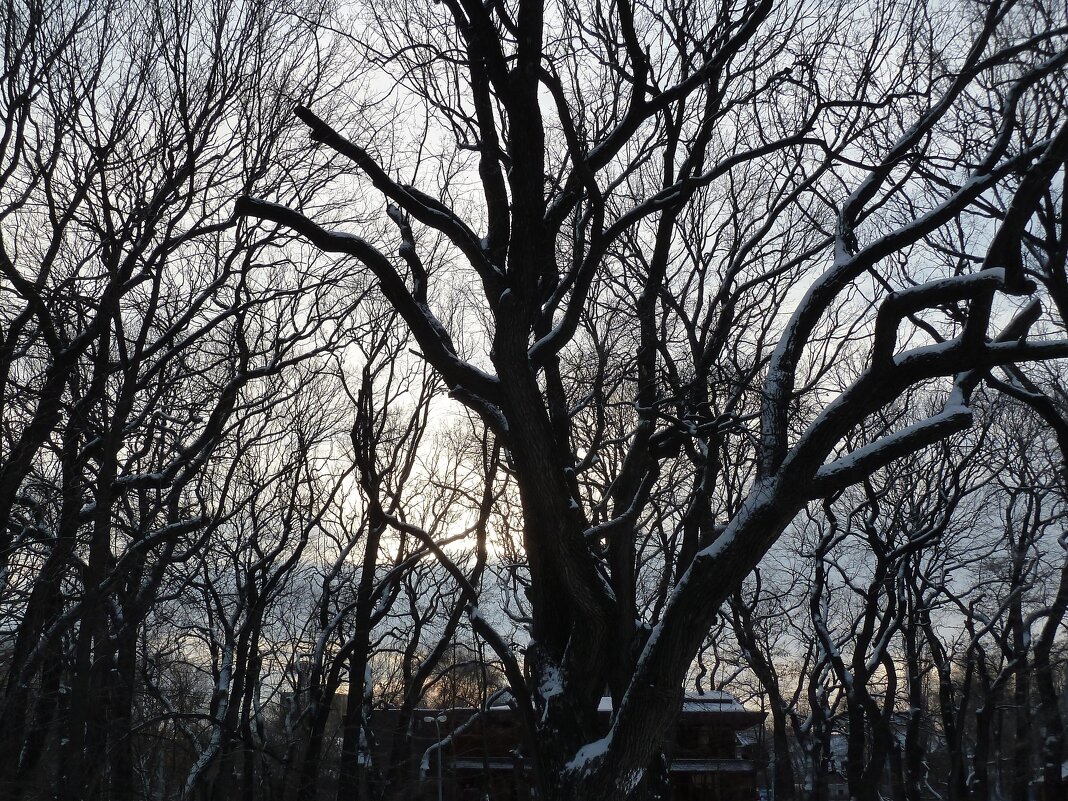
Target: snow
x,y
630,780
994,275
925,352
711,701
761,493
955,412
708,701
138,478
589,753
552,682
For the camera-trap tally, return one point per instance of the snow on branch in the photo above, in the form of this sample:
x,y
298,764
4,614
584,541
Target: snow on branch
x,y
429,332
925,296
851,468
425,209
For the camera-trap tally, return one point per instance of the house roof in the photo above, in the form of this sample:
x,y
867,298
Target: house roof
x,y
711,701
676,766
712,766
718,705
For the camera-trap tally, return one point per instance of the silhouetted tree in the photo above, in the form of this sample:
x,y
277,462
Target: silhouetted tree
x,y
727,218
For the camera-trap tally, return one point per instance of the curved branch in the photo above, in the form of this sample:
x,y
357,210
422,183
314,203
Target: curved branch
x,y
431,335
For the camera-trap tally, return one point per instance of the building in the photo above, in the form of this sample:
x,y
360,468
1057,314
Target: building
x,y
469,755
704,763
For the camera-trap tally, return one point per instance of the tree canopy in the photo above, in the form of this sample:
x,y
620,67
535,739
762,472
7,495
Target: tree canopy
x,y
398,355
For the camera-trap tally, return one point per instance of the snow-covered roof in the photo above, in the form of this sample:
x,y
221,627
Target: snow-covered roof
x,y
711,766
710,695
492,763
709,701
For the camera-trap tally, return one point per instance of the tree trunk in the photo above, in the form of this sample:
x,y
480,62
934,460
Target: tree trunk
x,y
783,777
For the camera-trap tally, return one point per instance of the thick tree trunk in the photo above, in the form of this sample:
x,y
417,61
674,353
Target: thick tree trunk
x,y
1021,747
320,700
22,743
84,761
121,696
896,775
350,773
856,745
984,731
783,776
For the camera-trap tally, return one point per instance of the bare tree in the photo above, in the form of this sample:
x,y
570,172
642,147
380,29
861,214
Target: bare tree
x,y
873,543
144,331
708,160
762,618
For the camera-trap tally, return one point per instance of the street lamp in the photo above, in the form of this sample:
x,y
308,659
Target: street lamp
x,y
437,720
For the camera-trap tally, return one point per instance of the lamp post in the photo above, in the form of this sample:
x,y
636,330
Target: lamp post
x,y
437,720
